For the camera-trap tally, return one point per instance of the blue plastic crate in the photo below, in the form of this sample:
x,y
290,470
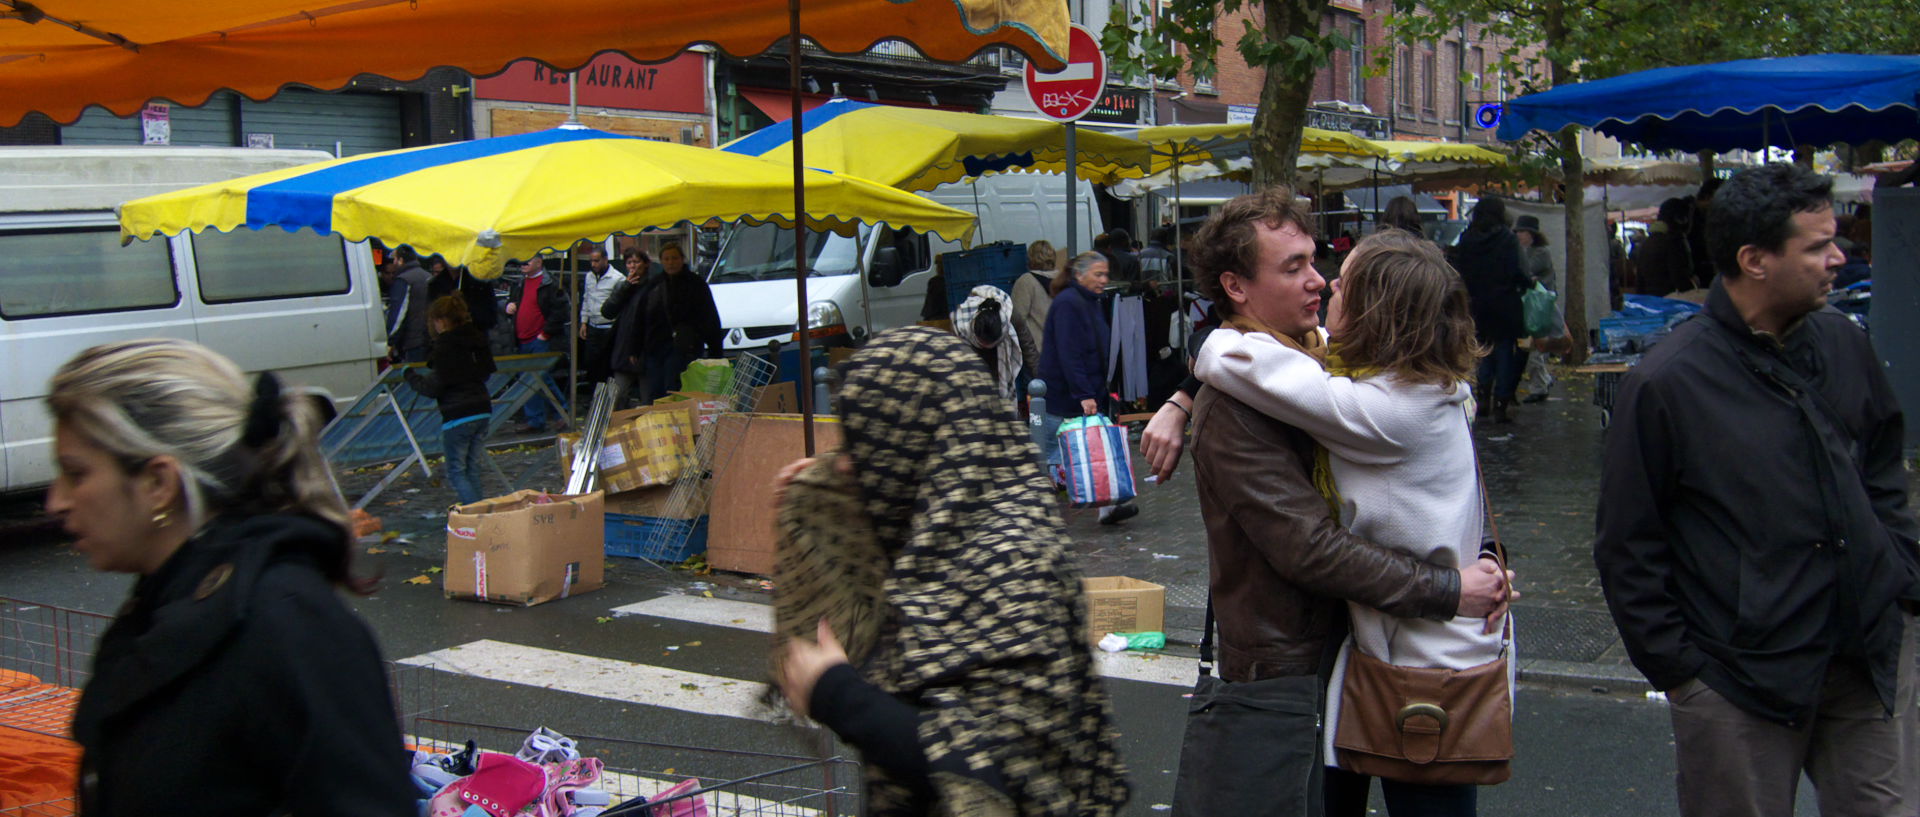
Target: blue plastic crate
x,y
634,537
998,264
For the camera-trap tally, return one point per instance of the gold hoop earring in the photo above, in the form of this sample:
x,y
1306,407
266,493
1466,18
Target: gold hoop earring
x,y
162,517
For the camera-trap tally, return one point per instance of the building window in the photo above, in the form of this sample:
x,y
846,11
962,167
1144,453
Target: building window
x,y
1479,68
1357,62
1405,101
1427,82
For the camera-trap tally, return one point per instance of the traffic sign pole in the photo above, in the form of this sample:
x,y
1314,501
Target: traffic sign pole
x,y
1065,96
1073,190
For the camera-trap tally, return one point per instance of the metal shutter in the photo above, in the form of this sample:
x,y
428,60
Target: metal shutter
x,y
310,120
209,125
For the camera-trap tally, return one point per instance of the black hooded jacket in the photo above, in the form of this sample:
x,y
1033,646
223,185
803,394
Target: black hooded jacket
x,y
1753,525
235,682
1489,261
460,361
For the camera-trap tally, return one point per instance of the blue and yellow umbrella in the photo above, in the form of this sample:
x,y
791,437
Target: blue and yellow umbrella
x,y
483,202
922,148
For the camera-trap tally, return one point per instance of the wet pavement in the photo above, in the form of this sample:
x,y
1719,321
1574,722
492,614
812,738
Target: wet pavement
x,y
1542,474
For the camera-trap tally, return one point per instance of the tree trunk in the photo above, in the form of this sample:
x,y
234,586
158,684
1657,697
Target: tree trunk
x,y
1574,290
1285,94
1573,171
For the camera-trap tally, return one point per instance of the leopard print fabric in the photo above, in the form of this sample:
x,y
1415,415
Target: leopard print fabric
x,y
829,565
986,623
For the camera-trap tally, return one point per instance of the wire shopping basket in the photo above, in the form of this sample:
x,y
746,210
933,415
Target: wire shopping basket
x,y
46,658
731,782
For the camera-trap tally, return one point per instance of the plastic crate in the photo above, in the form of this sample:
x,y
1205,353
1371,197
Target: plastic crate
x,y
638,537
998,264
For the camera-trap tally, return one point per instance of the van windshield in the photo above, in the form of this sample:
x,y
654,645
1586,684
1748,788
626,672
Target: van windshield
x,y
764,252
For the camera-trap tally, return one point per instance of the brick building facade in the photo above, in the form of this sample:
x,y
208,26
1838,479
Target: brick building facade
x,y
1420,96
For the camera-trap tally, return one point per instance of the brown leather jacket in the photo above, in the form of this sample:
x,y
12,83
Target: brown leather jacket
x,y
1282,569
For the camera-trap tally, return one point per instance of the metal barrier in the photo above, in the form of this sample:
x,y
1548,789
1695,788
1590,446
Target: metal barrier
x,y
392,422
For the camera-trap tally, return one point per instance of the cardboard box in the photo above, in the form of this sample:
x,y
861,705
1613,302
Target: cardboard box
x,y
754,447
526,548
1117,604
778,398
654,448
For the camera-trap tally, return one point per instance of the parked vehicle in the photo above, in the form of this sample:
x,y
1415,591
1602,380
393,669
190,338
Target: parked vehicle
x,y
303,305
876,280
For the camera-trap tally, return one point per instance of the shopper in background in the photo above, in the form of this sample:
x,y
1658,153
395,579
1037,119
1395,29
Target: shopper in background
x,y
1073,359
1488,258
459,365
1031,298
1538,260
596,331
678,323
406,307
234,677
625,307
539,313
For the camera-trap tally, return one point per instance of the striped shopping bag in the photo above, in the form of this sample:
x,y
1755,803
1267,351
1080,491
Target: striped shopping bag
x,y
1097,461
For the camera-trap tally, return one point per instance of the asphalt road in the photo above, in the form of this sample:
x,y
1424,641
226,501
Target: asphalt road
x,y
587,669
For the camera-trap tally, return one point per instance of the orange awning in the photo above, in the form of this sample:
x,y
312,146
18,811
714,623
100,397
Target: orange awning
x,y
58,56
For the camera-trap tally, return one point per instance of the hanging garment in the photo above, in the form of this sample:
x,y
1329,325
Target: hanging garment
x,y
1127,356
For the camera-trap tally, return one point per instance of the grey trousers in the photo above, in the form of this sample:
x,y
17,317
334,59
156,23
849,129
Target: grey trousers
x,y
1860,760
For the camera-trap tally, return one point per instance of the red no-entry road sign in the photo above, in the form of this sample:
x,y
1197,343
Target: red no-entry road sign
x,y
1070,93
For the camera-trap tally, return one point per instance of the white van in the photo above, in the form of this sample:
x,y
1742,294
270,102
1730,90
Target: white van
x,y
304,305
877,280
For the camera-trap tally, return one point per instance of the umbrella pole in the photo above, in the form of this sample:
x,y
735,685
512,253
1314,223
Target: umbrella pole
x,y
573,337
800,227
1179,262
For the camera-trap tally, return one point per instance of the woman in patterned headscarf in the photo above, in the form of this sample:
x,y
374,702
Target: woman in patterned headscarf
x,y
985,320
966,679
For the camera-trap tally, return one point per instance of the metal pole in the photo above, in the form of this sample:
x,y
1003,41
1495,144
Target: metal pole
x,y
1073,193
1179,256
573,336
800,228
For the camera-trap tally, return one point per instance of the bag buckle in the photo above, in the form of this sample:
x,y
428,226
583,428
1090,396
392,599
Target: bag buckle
x,y
1420,709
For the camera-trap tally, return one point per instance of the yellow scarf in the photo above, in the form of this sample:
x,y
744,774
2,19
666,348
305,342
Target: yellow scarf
x,y
1329,356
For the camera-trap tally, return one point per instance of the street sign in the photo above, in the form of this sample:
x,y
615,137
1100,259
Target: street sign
x,y
1070,93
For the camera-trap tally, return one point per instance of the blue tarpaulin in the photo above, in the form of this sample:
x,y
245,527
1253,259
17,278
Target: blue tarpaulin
x,y
1783,101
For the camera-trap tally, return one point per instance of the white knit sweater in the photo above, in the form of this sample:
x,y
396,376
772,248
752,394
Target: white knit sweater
x,y
1402,457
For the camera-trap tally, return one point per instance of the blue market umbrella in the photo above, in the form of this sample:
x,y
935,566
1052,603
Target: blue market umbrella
x,y
1783,102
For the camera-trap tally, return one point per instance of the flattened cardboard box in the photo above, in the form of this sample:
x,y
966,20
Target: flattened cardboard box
x,y
526,548
1117,604
655,448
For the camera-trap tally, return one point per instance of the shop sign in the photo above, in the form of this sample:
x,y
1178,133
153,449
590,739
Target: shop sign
x,y
1117,106
610,81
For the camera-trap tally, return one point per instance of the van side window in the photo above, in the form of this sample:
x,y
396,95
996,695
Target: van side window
x,y
255,265
45,273
915,255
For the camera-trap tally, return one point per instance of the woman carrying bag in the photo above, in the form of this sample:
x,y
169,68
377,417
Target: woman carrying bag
x,y
1073,359
1426,705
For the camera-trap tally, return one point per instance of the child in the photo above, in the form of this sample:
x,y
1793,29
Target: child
x,y
460,363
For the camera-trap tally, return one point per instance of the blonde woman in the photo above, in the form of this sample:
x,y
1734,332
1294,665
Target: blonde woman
x,y
1390,405
234,677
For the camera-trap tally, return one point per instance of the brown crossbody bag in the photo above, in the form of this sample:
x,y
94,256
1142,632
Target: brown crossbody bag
x,y
1432,726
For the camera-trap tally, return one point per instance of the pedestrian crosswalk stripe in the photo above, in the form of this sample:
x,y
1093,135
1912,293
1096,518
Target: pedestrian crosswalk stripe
x,y
746,615
740,615
601,677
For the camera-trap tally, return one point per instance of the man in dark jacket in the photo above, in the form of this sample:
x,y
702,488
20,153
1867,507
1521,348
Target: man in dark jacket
x,y
1282,570
407,301
1123,265
1754,543
539,311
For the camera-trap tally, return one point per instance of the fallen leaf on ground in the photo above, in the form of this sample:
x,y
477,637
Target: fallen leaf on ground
x,y
691,687
420,580
375,551
435,569
603,619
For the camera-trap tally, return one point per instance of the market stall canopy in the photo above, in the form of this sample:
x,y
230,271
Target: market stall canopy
x,y
484,202
62,55
1634,172
923,148
1225,151
1781,101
